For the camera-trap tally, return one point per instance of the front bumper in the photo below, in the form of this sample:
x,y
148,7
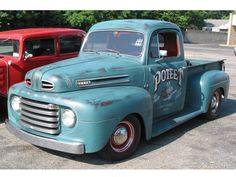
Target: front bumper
x,y
69,147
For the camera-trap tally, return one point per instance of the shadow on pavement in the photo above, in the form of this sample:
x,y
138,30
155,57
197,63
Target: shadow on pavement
x,y
3,117
228,108
3,110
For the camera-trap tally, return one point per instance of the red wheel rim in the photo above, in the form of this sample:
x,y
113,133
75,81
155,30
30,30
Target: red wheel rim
x,y
123,137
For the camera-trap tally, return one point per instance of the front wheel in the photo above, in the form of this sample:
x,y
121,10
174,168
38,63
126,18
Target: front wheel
x,y
124,140
215,105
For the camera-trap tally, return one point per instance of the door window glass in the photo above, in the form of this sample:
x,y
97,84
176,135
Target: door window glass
x,y
9,47
40,47
69,44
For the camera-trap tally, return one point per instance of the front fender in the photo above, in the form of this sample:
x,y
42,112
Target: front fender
x,y
113,104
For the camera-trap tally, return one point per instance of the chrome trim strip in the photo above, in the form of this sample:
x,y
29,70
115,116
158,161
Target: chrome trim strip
x,y
103,78
106,80
69,147
48,82
104,83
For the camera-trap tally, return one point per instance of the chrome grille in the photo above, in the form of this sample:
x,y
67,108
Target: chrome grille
x,y
40,116
47,85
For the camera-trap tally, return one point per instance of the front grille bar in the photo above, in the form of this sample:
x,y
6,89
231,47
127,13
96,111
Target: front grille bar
x,y
39,117
40,129
39,111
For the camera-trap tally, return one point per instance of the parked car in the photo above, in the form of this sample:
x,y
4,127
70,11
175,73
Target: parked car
x,y
24,49
131,79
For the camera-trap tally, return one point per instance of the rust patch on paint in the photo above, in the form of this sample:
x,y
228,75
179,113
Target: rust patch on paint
x,y
93,103
102,70
85,72
106,103
116,68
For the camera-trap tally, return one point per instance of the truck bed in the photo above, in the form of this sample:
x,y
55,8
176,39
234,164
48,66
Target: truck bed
x,y
198,66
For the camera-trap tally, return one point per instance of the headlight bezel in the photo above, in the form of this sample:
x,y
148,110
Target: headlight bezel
x,y
16,103
68,118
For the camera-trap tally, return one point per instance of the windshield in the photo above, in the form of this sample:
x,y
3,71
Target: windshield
x,y
9,47
120,42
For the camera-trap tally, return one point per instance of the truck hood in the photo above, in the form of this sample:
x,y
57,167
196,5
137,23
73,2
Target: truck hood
x,y
86,71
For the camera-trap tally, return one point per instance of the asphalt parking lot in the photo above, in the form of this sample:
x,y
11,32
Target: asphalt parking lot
x,y
195,144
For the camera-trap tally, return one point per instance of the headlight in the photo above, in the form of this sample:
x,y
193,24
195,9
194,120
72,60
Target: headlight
x,y
68,118
15,103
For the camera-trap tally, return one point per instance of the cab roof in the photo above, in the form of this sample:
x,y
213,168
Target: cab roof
x,y
37,32
142,25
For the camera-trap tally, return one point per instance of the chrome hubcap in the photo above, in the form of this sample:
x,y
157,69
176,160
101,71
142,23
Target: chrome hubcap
x,y
120,136
215,102
123,137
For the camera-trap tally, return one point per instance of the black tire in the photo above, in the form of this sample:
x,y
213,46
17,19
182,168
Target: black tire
x,y
214,106
3,108
123,146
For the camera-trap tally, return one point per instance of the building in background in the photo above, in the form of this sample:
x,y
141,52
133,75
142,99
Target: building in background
x,y
216,25
231,40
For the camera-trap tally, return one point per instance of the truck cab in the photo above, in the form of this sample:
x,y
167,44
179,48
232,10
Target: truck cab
x,y
24,49
131,79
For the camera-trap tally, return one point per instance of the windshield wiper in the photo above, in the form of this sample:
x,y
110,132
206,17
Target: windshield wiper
x,y
95,51
109,50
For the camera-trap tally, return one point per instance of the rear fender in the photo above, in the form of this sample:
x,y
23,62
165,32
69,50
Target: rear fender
x,y
211,81
202,86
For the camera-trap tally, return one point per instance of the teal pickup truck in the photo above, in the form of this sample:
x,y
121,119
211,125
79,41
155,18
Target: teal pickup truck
x,y
131,81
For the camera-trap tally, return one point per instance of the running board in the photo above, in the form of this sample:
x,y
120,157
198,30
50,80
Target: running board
x,y
164,125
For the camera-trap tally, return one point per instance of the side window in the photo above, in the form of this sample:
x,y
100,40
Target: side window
x,y
39,47
69,44
168,44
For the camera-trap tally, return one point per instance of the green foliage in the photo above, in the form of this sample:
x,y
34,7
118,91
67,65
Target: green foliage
x,y
84,19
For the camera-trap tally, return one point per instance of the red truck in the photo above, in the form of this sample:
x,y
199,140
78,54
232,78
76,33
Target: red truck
x,y
24,49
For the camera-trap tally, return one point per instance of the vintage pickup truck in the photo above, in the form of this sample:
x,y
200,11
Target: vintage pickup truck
x,y
24,49
131,81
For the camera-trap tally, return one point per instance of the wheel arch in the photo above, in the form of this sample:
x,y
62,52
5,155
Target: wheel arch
x,y
210,81
142,123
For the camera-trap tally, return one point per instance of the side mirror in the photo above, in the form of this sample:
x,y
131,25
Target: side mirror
x,y
28,55
163,53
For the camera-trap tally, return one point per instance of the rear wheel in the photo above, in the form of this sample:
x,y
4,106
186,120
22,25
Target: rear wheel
x,y
124,140
214,106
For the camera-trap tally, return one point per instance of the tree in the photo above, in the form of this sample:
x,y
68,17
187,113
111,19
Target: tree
x,y
85,19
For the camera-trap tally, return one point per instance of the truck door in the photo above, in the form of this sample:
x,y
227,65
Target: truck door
x,y
167,73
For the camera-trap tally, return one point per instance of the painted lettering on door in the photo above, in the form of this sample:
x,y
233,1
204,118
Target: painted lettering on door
x,y
167,75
